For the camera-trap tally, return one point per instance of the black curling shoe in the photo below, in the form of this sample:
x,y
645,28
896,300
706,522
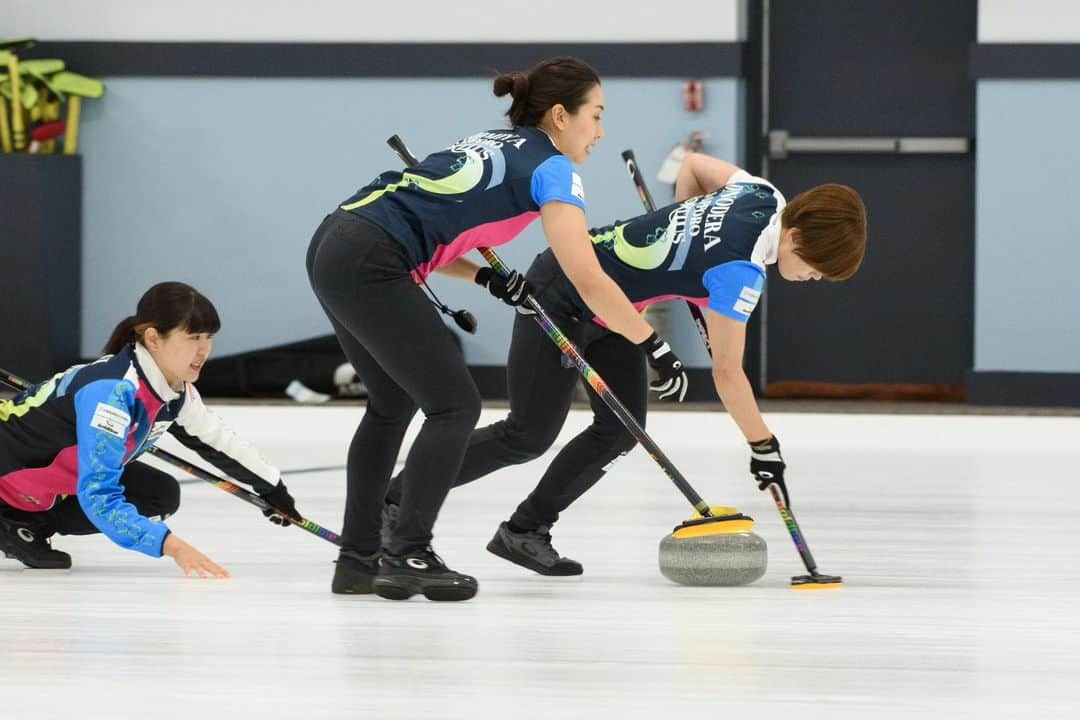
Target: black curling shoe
x,y
26,539
354,573
421,572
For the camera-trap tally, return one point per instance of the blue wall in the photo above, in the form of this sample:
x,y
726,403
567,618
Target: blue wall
x,y
221,182
1027,246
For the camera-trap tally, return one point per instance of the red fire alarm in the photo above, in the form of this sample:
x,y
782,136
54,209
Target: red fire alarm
x,y
694,96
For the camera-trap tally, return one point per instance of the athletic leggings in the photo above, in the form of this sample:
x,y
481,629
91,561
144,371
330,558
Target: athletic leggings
x,y
541,389
406,357
155,494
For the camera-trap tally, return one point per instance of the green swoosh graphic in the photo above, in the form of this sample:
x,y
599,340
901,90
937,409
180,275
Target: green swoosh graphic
x,y
464,179
9,409
648,257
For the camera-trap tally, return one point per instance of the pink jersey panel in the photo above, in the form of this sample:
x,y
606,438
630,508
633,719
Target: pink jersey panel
x,y
486,235
35,489
640,306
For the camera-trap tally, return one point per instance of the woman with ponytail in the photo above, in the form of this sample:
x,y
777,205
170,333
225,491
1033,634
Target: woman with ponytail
x,y
67,444
365,262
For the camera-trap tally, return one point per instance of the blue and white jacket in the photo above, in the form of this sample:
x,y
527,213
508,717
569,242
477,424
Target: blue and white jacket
x,y
74,433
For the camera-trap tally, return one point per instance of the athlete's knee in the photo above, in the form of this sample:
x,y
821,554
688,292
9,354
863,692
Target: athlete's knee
x,y
467,407
396,410
170,498
456,409
614,438
623,443
526,443
156,494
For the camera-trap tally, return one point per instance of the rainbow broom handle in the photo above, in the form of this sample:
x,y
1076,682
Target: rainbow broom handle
x,y
591,376
221,483
795,531
244,494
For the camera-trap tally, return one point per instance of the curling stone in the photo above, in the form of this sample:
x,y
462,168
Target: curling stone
x,y
715,551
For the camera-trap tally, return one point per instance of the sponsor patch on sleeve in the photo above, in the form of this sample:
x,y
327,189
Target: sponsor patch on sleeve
x,y
111,420
748,300
734,288
577,189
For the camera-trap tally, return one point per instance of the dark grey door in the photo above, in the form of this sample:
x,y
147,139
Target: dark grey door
x,y
876,70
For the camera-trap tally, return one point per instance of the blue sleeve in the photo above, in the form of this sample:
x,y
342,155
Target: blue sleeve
x,y
556,180
102,416
734,288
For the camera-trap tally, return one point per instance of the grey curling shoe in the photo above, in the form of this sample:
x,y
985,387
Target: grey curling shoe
x,y
532,550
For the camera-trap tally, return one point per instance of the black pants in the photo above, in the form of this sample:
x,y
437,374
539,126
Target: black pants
x,y
399,346
541,390
154,493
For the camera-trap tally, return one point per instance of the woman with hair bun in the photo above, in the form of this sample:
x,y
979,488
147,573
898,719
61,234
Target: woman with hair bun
x,y
67,444
365,262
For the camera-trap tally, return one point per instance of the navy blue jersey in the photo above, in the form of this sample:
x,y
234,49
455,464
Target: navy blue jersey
x,y
711,249
481,191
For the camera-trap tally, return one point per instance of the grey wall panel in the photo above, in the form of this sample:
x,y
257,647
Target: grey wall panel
x,y
221,182
1027,298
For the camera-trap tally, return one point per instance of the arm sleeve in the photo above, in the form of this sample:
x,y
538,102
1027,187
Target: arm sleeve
x,y
202,431
734,288
102,418
555,180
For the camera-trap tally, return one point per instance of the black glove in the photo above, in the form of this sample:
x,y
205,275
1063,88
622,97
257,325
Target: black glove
x,y
767,466
672,381
512,289
281,505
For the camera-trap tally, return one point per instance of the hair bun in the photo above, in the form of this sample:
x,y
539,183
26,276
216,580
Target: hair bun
x,y
515,84
521,85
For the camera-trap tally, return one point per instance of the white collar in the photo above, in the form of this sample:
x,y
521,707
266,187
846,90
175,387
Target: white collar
x,y
153,374
767,248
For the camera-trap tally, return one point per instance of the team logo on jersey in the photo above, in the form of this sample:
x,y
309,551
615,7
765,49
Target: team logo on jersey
x,y
578,189
30,499
157,431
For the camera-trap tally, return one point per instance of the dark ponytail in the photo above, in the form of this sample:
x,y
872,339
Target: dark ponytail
x,y
562,81
165,307
123,334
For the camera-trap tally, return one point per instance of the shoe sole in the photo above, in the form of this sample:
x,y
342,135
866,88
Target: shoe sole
x,y
394,589
351,589
497,548
46,566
